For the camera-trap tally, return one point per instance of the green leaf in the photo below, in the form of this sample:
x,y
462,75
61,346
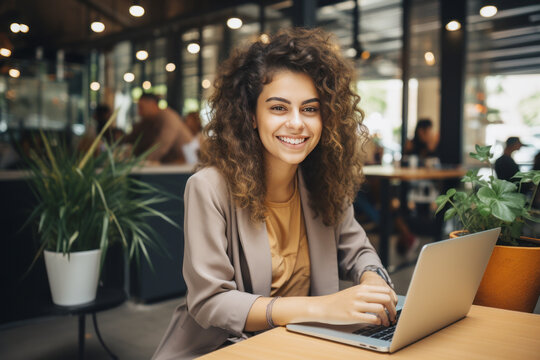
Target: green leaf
x,y
503,186
72,239
441,201
460,196
482,153
104,232
42,220
161,215
484,210
62,211
513,200
528,216
486,195
120,230
96,141
502,211
450,213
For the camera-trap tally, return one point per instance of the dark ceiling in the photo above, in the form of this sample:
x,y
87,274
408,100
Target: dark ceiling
x,y
506,43
66,23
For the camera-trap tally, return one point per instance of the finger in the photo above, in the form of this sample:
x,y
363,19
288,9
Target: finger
x,y
392,311
378,310
395,297
373,319
376,298
375,288
384,300
382,313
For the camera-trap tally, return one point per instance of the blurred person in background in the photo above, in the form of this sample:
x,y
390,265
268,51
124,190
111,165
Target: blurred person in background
x,y
160,129
193,122
101,115
505,166
191,150
424,143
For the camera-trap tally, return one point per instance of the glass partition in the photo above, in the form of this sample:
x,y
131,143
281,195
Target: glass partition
x,y
502,94
376,56
35,97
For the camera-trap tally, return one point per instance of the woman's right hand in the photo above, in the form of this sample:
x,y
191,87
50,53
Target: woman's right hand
x,y
358,304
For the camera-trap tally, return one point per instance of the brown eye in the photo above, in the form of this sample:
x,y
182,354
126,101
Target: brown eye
x,y
278,108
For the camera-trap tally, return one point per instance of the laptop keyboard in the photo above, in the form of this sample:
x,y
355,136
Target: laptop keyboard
x,y
379,331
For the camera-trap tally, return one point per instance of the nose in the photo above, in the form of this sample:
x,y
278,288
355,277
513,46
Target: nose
x,y
295,121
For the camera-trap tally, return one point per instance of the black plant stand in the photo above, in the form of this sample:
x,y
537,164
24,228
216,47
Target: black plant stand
x,y
107,298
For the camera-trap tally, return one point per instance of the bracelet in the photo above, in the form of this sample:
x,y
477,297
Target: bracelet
x,y
271,324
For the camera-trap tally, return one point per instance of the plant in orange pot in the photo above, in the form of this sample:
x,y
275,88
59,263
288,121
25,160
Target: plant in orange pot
x,y
512,277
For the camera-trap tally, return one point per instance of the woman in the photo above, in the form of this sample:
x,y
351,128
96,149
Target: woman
x,y
268,220
425,141
191,150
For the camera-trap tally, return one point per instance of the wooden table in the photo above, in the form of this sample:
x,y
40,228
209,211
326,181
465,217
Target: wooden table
x,y
486,333
388,173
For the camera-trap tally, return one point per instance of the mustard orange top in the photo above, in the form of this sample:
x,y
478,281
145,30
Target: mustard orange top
x,y
289,247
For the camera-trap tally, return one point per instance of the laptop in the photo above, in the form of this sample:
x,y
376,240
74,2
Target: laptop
x,y
441,292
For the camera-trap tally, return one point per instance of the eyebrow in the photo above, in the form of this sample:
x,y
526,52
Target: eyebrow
x,y
274,98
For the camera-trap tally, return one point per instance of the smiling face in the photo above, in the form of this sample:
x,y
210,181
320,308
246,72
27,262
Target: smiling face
x,y
288,119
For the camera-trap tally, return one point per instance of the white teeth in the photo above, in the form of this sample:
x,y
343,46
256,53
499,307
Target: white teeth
x,y
291,140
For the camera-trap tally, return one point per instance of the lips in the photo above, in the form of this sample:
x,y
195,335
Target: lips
x,y
292,140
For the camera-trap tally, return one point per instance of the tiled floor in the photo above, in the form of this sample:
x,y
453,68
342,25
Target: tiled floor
x,y
132,331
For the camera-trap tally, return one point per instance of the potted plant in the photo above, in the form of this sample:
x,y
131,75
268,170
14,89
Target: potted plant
x,y
85,204
512,277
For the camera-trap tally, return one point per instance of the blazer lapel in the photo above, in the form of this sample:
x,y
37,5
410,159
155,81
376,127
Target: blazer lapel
x,y
322,248
254,240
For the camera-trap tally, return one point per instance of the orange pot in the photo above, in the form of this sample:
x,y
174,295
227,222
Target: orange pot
x,y
512,279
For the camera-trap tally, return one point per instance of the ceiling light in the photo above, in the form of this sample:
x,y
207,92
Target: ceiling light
x,y
234,23
97,26
265,39
350,52
170,67
488,11
129,77
15,28
430,58
136,10
94,86
14,73
142,55
206,84
365,55
453,25
193,48
146,85
5,52
24,28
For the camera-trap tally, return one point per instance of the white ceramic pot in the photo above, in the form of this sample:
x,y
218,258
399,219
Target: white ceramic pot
x,y
73,279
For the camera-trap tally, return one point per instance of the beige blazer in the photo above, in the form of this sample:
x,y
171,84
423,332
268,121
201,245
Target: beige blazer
x,y
227,265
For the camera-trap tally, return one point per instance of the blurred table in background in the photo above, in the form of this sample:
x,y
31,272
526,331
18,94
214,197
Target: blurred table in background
x,y
388,173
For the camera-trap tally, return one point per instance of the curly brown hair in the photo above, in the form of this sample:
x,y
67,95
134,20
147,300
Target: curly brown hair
x,y
333,170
